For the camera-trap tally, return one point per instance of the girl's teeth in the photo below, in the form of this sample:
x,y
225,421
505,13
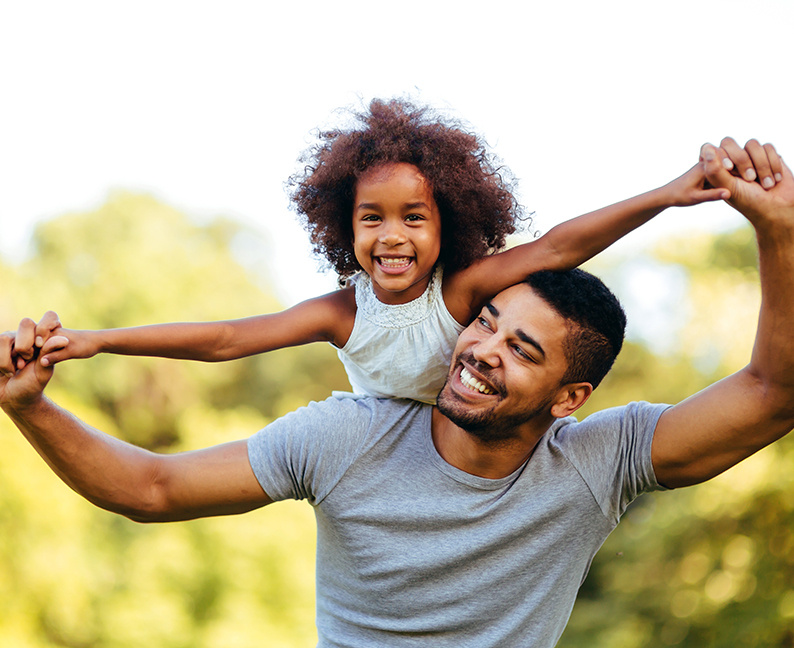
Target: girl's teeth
x,y
470,381
394,262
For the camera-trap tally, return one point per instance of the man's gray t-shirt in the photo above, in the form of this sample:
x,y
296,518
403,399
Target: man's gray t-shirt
x,y
412,551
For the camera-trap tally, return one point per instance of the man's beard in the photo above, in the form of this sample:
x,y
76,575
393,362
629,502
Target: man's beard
x,y
488,425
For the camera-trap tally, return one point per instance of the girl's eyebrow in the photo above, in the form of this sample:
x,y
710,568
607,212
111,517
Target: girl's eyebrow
x,y
411,205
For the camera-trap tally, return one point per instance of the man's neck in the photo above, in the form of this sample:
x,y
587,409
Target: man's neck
x,y
492,459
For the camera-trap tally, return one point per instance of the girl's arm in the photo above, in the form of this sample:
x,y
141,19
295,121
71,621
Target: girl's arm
x,y
571,243
327,318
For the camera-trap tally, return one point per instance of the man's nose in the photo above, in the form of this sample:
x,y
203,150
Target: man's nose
x,y
488,351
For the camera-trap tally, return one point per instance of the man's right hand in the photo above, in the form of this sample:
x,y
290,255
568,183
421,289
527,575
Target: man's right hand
x,y
22,375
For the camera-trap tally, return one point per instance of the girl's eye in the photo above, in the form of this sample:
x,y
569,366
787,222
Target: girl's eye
x,y
370,217
414,218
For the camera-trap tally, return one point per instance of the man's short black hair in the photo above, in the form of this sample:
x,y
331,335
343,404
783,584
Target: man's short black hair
x,y
596,321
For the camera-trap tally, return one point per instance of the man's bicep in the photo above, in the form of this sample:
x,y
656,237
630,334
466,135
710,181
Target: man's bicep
x,y
713,430
209,482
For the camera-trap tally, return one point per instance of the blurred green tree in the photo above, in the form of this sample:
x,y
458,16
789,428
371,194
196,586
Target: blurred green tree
x,y
72,575
711,565
705,566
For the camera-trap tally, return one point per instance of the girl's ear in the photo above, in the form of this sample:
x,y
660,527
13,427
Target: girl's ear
x,y
570,398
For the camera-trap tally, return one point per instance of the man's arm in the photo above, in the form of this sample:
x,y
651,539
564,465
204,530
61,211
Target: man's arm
x,y
730,420
115,475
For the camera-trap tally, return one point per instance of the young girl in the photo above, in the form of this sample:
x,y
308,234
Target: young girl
x,y
409,209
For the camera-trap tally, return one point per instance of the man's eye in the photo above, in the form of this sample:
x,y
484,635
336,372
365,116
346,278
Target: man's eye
x,y
483,322
522,354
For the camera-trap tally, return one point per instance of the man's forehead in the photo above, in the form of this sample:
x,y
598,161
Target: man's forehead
x,y
521,299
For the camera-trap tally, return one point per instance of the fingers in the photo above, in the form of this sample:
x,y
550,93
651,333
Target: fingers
x,y
7,365
29,337
760,159
754,162
737,159
47,324
24,342
717,166
49,355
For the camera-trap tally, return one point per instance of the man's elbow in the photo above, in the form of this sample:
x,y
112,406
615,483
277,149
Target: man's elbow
x,y
776,395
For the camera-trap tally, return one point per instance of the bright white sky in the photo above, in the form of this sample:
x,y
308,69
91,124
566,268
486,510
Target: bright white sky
x,y
207,104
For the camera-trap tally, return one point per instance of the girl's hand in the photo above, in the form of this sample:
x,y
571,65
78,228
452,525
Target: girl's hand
x,y
66,344
692,188
753,163
31,337
51,343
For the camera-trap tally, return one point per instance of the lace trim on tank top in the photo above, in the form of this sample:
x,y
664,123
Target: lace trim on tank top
x,y
396,315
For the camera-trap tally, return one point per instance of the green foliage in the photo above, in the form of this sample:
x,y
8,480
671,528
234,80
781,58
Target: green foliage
x,y
711,565
706,566
72,575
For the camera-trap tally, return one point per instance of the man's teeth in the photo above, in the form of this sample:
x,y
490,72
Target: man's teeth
x,y
470,381
387,261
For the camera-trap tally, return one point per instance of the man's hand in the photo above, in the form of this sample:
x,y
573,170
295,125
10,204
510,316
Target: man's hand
x,y
760,183
22,375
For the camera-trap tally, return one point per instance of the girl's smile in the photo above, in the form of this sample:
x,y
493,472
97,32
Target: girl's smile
x,y
396,231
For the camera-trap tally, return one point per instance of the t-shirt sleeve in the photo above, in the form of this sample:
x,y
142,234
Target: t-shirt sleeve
x,y
611,450
304,454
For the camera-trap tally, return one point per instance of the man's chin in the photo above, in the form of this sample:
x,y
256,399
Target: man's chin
x,y
483,424
487,425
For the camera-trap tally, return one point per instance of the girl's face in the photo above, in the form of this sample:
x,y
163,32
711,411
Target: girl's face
x,y
396,231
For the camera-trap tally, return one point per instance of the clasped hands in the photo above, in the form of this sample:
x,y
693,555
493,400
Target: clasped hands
x,y
756,180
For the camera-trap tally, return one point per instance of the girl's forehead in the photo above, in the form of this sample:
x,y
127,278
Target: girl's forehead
x,y
385,171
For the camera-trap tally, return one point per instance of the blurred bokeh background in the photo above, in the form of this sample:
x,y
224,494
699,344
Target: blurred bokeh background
x,y
143,152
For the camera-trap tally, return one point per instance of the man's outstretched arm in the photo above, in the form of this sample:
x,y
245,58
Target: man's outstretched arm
x,y
730,420
115,475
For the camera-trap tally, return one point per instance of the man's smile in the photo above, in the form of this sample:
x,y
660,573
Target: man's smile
x,y
472,383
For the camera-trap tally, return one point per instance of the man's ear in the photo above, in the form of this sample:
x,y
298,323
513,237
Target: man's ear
x,y
570,398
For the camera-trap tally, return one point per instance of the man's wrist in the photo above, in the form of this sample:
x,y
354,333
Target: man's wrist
x,y
27,406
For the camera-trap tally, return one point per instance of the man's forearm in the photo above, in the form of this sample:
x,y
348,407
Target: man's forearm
x,y
773,352
103,469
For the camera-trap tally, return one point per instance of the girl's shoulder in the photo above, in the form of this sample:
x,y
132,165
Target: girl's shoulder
x,y
334,313
460,291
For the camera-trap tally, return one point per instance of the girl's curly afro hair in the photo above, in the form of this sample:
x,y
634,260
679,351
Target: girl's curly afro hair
x,y
473,195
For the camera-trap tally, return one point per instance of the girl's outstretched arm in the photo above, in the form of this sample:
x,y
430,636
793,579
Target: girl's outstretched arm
x,y
571,243
327,318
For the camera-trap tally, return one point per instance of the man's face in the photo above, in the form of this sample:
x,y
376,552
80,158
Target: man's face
x,y
507,366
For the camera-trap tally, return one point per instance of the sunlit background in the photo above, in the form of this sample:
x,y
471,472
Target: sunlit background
x,y
118,118
206,105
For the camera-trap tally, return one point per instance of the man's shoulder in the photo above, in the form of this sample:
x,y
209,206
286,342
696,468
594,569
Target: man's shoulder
x,y
350,413
633,415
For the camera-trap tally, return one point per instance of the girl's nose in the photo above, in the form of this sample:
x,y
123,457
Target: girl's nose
x,y
392,235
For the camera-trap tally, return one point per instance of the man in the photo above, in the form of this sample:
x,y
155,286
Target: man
x,y
473,523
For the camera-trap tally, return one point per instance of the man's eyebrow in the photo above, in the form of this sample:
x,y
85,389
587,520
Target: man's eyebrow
x,y
531,341
520,334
